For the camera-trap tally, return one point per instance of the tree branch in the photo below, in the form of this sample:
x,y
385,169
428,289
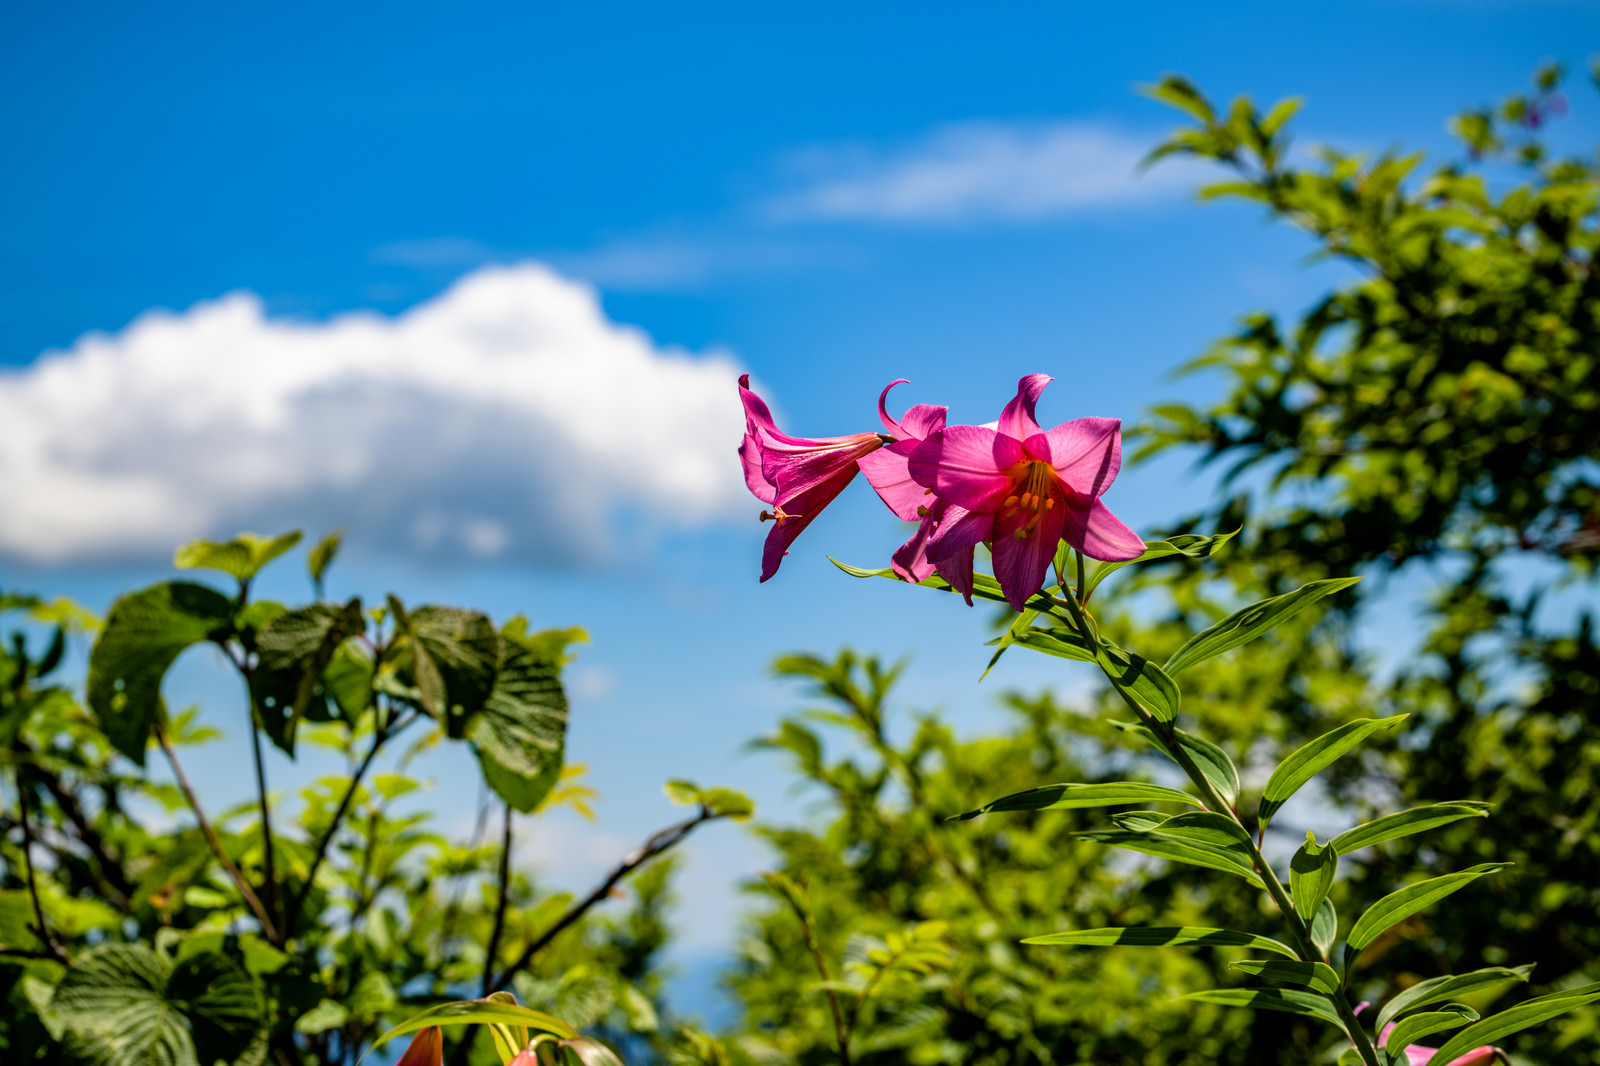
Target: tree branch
x,y
662,841
500,904
206,830
56,950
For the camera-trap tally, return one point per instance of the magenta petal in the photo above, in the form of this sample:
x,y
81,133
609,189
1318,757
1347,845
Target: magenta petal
x,y
958,571
883,411
1099,534
1087,453
889,472
959,530
920,421
910,560
967,465
1021,564
1017,418
754,479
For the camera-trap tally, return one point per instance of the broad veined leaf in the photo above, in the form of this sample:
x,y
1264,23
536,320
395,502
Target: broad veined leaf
x,y
520,733
1144,681
348,679
124,1005
144,634
1205,827
1288,1000
1057,797
1192,852
1405,823
453,656
294,650
1317,975
1212,760
243,556
1514,1020
1161,936
1311,873
1399,905
1419,1026
1450,986
1243,626
1307,761
1192,545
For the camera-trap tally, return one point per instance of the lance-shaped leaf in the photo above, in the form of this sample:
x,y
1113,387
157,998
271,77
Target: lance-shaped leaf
x,y
1306,762
1311,873
294,650
1063,796
1163,936
1192,545
1419,1026
1243,626
1212,760
321,556
1059,641
1514,1020
1192,852
1144,681
124,1005
243,556
1399,905
1405,823
1325,927
144,634
1288,1000
520,734
1205,827
1019,625
984,587
1450,986
1317,975
479,1012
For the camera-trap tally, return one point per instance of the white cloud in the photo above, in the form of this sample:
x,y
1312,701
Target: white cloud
x,y
508,417
981,170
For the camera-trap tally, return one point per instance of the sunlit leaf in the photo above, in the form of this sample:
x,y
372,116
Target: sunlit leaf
x,y
1246,625
1162,936
1057,797
1399,905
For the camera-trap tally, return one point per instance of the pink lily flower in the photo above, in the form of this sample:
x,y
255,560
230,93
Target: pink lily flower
x,y
798,476
1024,490
1417,1055
427,1049
889,472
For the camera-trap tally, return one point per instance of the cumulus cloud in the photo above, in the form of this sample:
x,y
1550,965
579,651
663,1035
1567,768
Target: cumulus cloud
x,y
980,170
506,418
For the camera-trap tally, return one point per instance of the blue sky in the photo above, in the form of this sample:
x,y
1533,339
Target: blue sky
x,y
588,221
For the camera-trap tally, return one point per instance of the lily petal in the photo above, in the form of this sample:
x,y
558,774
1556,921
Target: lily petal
x,y
967,465
427,1049
1087,453
1021,562
889,472
1017,418
1099,534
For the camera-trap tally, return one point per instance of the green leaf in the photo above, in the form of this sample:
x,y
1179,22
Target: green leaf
x,y
348,679
1064,796
1243,626
1419,1026
1514,1020
243,556
1144,681
322,556
454,655
1307,761
1206,827
1212,760
1402,904
1311,874
1317,975
1192,545
324,1016
683,793
1180,93
1162,936
1192,852
520,734
294,649
1019,625
1059,641
1325,926
1281,112
144,634
124,1005
1451,986
478,1012
984,587
1405,823
729,803
1287,1000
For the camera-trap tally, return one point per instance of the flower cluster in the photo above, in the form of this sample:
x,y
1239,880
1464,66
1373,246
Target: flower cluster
x,y
1011,484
